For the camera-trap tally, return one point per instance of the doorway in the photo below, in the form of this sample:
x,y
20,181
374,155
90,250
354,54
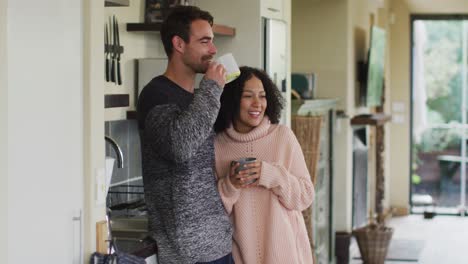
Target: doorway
x,y
439,127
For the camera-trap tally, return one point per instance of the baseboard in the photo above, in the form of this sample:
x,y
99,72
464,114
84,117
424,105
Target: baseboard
x,y
101,237
400,211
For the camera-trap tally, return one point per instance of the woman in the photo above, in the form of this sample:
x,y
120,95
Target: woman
x,y
268,223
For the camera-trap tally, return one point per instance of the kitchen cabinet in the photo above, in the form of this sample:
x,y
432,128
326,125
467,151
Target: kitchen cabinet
x,y
322,229
116,100
48,134
276,48
275,53
272,9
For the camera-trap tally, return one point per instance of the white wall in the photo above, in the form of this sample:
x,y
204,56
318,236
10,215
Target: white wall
x,y
329,38
93,77
3,133
321,43
400,91
45,129
244,15
437,6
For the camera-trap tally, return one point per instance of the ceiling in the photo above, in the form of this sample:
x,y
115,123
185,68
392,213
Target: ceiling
x,y
438,6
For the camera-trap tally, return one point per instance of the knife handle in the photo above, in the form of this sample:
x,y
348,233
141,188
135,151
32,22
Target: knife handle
x,y
107,70
119,77
112,71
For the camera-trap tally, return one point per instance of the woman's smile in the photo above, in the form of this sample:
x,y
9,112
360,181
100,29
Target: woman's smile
x,y
252,106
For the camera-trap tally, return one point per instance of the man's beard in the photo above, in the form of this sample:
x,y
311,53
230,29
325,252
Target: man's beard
x,y
203,66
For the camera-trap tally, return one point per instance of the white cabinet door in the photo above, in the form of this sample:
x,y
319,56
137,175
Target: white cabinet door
x,y
45,131
276,57
272,9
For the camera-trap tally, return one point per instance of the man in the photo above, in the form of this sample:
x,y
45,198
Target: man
x,y
186,215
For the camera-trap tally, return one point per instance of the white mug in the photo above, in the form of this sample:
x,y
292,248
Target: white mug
x,y
230,64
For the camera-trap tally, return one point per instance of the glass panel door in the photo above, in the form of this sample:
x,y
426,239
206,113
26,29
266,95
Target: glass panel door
x,y
439,116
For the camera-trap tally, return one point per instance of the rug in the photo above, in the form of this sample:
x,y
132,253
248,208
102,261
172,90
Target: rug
x,y
401,250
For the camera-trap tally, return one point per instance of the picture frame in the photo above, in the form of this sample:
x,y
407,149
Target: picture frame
x,y
157,10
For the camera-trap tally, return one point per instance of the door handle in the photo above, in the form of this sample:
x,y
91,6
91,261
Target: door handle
x,y
77,239
273,9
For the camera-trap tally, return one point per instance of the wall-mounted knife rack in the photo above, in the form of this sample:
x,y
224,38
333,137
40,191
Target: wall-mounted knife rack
x,y
113,51
116,100
116,3
113,48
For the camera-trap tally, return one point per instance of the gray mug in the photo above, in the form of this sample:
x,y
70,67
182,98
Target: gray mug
x,y
242,166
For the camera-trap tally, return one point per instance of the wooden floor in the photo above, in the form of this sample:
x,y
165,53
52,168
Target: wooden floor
x,y
446,238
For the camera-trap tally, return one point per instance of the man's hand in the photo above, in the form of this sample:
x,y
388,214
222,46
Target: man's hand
x,y
217,73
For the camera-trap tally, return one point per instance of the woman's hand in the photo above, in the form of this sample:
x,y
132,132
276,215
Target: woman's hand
x,y
233,176
247,177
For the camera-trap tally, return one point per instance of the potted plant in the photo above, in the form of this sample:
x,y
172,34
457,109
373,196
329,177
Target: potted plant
x,y
374,238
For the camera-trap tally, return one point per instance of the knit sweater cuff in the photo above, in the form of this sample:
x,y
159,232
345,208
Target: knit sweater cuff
x,y
271,175
212,86
229,189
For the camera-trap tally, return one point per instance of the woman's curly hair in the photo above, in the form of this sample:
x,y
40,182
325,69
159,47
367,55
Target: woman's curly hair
x,y
232,93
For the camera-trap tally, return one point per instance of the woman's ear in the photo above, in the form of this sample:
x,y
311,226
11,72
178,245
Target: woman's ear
x,y
178,43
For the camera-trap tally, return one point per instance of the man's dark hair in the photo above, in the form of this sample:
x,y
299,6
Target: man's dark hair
x,y
232,93
178,23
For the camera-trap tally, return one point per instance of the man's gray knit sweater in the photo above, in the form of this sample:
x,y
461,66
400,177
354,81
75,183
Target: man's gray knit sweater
x,y
186,215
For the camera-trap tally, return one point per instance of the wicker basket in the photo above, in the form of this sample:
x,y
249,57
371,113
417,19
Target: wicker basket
x,y
373,241
307,131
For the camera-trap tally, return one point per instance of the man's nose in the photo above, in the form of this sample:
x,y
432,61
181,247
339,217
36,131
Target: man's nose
x,y
213,50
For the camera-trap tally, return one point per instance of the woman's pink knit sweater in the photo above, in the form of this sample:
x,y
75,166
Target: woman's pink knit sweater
x,y
268,223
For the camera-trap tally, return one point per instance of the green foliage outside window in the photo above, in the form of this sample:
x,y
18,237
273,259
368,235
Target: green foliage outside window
x,y
443,65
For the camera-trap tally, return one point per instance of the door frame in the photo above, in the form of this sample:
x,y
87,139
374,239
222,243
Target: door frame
x,y
413,18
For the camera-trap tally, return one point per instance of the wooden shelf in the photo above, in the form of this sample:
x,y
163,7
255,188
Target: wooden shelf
x,y
223,30
116,100
220,30
372,119
116,3
143,27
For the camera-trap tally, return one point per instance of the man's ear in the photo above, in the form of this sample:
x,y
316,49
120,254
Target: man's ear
x,y
178,43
